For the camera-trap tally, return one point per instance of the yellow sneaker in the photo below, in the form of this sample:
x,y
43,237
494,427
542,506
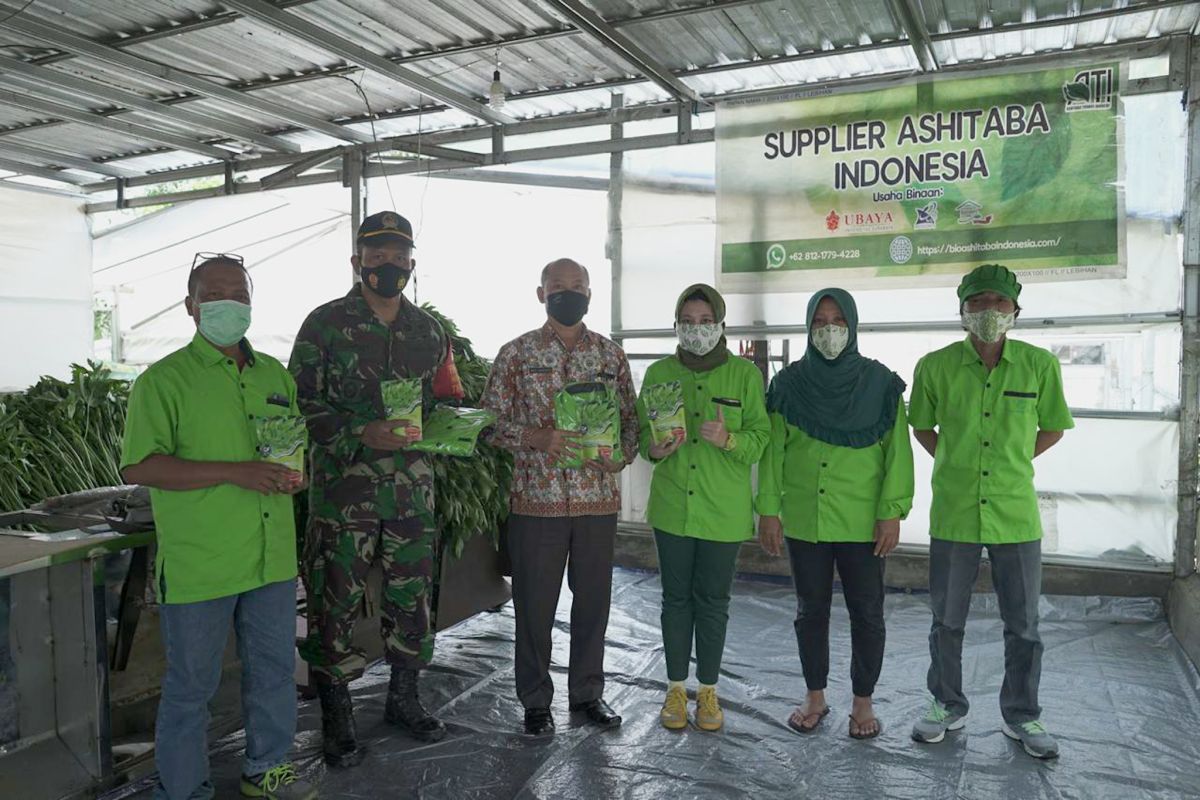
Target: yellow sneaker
x,y
674,710
709,716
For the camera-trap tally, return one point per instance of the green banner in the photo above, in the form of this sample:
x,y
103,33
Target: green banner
x,y
924,181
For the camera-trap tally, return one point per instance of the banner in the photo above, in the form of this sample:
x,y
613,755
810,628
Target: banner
x,y
919,183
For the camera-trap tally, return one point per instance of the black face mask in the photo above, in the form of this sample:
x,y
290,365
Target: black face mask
x,y
388,281
567,307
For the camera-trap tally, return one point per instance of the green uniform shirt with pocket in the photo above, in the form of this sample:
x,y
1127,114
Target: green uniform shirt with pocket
x,y
195,405
701,490
987,424
828,493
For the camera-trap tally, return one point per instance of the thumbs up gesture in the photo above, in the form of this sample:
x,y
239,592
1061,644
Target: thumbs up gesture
x,y
715,433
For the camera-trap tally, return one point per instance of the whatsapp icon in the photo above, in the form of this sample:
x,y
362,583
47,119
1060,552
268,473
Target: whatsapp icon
x,y
776,255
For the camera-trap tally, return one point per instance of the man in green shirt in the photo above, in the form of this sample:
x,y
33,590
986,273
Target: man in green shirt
x,y
984,409
226,537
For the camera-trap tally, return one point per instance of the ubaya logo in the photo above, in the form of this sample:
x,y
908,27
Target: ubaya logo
x,y
859,221
1090,90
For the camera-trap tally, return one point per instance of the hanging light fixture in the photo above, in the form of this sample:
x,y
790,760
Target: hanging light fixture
x,y
496,93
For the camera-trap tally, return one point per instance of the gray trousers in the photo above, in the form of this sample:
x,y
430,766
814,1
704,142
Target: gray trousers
x,y
1017,578
540,548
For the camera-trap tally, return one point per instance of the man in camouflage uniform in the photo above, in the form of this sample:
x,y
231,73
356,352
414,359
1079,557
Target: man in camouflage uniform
x,y
370,498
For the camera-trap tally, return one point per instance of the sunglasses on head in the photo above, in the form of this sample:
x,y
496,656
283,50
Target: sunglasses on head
x,y
204,258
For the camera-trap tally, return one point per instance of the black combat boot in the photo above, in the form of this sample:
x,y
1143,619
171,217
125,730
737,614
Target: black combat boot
x,y
341,746
404,708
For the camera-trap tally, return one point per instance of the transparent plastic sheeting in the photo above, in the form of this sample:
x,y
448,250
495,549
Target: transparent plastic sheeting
x,y
1117,690
1107,490
45,285
669,239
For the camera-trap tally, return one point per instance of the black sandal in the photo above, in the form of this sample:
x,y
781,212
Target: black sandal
x,y
860,736
800,727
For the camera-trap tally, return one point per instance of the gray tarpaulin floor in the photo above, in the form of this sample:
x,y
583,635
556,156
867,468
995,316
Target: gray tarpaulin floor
x,y
1116,688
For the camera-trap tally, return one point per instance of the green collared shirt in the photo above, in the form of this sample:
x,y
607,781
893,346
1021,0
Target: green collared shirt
x,y
827,493
701,490
987,424
195,405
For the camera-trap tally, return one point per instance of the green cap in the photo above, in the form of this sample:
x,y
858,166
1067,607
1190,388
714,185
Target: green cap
x,y
710,294
990,278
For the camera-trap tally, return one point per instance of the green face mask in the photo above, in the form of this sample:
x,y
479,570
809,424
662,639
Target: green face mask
x,y
224,322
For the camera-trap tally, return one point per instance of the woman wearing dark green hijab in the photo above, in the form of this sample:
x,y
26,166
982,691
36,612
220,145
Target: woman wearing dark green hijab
x,y
835,481
703,424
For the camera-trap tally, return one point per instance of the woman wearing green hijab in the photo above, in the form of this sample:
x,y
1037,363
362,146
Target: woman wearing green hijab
x,y
836,479
703,424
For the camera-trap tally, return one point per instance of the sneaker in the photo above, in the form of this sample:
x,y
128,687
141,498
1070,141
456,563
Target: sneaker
x,y
938,719
1034,737
709,716
279,783
674,711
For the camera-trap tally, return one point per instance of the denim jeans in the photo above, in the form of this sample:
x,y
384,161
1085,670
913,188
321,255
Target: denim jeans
x,y
194,636
1017,580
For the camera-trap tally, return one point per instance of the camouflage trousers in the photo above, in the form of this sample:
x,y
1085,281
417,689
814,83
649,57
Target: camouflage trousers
x,y
336,565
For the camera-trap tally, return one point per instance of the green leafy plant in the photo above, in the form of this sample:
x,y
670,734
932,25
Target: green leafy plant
x,y
59,437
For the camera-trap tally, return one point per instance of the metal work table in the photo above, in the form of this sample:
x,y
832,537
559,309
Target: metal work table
x,y
54,705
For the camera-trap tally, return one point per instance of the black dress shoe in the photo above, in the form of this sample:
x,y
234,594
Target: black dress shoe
x,y
598,713
538,722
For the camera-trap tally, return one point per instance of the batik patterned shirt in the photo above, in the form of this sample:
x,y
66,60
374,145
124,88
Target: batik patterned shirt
x,y
526,376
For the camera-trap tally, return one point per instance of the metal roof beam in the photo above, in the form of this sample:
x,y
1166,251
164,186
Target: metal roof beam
x,y
119,126
54,79
294,170
110,55
21,168
913,22
315,34
25,151
594,25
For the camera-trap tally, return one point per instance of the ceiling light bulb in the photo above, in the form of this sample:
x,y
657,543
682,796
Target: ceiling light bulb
x,y
496,98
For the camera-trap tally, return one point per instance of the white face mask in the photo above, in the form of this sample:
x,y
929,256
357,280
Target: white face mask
x,y
989,326
699,340
831,340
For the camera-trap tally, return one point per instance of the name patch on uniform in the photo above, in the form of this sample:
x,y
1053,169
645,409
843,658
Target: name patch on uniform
x,y
1027,395
731,402
540,370
278,400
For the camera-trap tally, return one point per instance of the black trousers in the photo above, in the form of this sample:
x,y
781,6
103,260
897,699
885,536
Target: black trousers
x,y
541,547
862,586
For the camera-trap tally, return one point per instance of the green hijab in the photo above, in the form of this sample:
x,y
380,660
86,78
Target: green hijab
x,y
719,354
849,401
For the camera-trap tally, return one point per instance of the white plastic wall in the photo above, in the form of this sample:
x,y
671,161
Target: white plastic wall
x,y
45,286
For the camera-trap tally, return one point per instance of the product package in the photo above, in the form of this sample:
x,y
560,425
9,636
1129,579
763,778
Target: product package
x,y
402,403
664,408
282,440
591,410
453,431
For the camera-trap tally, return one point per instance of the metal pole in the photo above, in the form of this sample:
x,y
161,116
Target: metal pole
x,y
1189,390
352,176
616,191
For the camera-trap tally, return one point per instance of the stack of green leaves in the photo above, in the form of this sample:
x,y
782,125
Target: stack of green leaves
x,y
60,437
471,494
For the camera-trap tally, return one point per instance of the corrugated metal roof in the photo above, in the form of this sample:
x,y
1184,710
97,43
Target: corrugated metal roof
x,y
550,69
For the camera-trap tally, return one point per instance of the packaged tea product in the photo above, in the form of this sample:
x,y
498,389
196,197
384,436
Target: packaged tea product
x,y
453,431
664,408
402,403
591,410
282,440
